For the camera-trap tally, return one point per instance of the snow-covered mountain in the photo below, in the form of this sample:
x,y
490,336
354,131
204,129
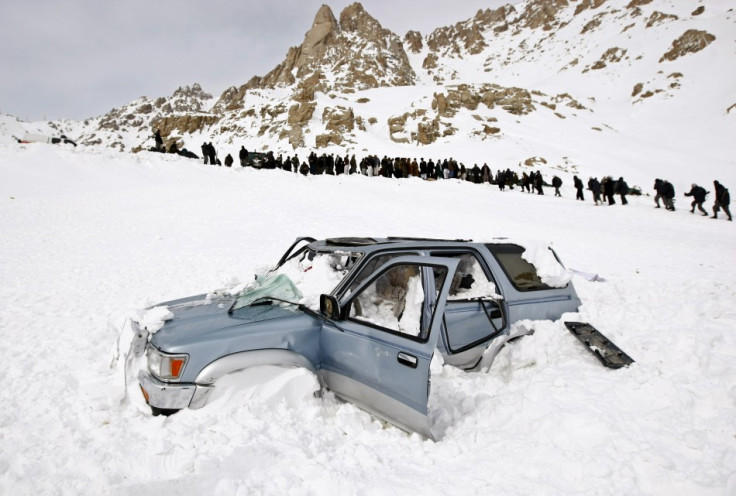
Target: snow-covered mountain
x,y
580,80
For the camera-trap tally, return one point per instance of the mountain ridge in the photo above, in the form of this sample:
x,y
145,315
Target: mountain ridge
x,y
590,67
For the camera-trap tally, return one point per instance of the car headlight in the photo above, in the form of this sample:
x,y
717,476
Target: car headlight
x,y
164,366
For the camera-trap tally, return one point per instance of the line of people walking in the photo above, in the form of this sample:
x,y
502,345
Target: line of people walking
x,y
399,167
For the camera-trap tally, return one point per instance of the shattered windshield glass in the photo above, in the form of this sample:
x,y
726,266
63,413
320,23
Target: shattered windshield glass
x,y
300,280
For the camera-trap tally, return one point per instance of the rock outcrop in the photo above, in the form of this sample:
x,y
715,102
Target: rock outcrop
x,y
691,41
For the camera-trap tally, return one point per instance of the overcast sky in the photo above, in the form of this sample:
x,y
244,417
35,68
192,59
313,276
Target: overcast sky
x,y
80,58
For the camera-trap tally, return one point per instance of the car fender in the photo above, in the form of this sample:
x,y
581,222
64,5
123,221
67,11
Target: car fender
x,y
207,378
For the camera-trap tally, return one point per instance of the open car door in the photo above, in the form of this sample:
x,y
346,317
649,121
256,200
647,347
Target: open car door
x,y
377,351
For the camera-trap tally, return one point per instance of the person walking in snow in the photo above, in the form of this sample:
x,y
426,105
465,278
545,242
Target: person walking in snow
x,y
595,187
557,183
538,182
228,160
668,195
658,189
622,189
501,180
608,189
723,199
698,193
579,188
526,182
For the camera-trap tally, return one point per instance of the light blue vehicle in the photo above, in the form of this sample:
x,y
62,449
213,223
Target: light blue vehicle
x,y
364,315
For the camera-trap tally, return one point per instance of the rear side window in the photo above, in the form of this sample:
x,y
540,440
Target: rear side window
x,y
521,273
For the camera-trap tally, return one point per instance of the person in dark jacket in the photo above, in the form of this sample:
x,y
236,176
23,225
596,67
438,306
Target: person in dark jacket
x,y
622,189
159,141
205,152
228,160
722,201
668,195
212,153
595,187
579,187
526,181
698,193
538,182
608,189
658,188
243,156
557,183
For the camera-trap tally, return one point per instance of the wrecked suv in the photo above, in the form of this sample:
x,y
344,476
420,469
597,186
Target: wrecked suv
x,y
365,315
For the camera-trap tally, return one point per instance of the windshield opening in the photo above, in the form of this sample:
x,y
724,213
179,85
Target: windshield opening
x,y
301,279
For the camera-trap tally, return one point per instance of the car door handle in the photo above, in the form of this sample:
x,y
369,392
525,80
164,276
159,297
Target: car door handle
x,y
407,359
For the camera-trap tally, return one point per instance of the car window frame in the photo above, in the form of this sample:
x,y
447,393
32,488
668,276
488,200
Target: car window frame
x,y
451,252
542,287
346,304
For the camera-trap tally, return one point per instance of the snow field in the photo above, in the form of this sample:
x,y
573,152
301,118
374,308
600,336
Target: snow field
x,y
89,238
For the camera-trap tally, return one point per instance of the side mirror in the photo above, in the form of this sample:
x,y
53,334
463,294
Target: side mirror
x,y
329,307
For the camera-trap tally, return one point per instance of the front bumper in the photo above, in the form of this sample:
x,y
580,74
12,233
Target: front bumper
x,y
172,396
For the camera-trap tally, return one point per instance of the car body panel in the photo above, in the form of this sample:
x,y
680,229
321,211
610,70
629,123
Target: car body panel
x,y
387,373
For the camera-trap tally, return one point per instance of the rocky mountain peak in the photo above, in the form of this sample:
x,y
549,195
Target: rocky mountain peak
x,y
355,19
357,52
318,38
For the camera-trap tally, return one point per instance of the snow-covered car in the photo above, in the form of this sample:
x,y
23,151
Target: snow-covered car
x,y
365,315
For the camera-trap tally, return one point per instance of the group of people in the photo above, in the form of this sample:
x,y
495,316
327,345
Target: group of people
x,y
665,191
698,193
606,189
400,167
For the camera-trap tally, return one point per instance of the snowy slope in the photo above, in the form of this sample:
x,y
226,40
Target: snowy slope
x,y
91,236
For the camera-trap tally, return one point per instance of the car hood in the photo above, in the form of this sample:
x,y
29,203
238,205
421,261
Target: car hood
x,y
200,316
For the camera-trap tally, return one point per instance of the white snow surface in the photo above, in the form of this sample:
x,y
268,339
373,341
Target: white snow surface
x,y
90,237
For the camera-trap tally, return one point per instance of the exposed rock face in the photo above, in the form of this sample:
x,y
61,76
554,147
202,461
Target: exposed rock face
x,y
542,14
413,41
183,124
611,55
513,100
299,116
189,99
338,119
588,4
179,113
659,18
691,41
323,140
361,53
466,36
428,132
